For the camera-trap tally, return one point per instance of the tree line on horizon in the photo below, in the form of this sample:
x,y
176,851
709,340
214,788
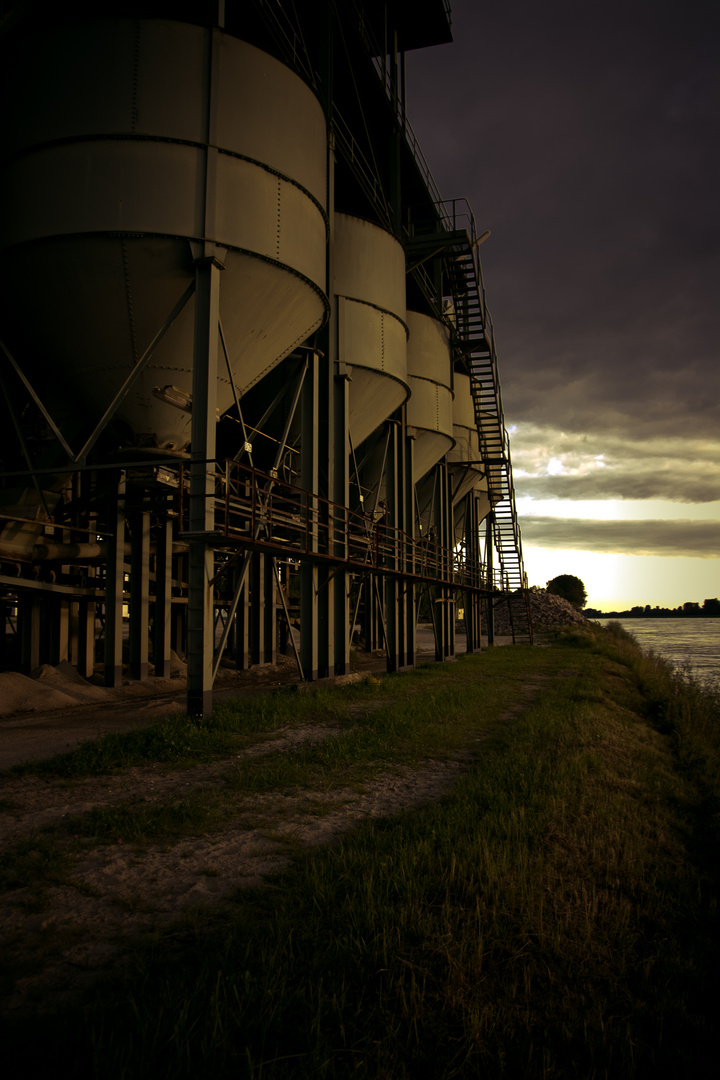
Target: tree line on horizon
x,y
691,610
571,588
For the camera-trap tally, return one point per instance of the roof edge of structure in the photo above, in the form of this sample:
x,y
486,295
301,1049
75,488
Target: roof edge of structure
x,y
420,24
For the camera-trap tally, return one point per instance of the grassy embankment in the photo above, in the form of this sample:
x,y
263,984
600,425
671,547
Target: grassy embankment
x,y
554,916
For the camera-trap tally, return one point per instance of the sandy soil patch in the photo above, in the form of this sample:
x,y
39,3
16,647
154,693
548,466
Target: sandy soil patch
x,y
115,892
36,802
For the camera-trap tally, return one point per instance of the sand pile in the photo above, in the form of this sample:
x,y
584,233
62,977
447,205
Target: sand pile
x,y
18,693
48,688
178,668
64,677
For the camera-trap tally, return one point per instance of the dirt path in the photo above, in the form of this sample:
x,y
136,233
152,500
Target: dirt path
x,y
55,710
39,718
115,892
56,939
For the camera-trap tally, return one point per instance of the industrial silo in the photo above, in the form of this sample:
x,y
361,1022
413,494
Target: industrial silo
x,y
466,469
430,408
369,286
178,247
369,293
138,151
132,145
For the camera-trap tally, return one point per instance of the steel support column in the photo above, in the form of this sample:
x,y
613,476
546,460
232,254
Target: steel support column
x,y
262,613
399,594
29,625
8,635
139,591
269,642
489,544
242,622
409,599
326,582
341,495
163,599
372,614
309,578
87,610
178,611
55,640
444,621
473,561
201,625
115,585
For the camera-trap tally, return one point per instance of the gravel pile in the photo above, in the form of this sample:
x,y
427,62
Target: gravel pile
x,y
548,613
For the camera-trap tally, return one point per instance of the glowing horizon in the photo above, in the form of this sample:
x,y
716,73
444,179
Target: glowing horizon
x,y
619,582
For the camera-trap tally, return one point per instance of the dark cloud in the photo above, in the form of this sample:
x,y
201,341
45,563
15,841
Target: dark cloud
x,y
668,486
586,137
552,464
680,537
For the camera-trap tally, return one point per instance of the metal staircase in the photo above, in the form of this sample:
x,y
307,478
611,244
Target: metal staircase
x,y
474,330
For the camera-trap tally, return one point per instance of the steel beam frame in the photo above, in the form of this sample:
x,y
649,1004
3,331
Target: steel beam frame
x,y
489,604
201,623
139,639
472,555
400,618
444,601
115,585
162,613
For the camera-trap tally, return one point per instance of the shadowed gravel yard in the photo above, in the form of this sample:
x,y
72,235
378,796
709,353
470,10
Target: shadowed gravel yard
x,y
501,867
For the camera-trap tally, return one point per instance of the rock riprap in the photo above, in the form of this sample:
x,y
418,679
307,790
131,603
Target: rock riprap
x,y
549,612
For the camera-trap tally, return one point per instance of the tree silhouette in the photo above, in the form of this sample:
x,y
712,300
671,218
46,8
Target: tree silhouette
x,y
570,588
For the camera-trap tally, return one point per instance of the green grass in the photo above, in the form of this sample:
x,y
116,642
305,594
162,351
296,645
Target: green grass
x,y
402,721
555,915
183,741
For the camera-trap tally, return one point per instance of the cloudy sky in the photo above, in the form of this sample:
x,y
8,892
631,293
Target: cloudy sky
x,y
586,137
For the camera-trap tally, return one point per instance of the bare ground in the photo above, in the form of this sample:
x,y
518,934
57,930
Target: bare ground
x,y
57,942
115,892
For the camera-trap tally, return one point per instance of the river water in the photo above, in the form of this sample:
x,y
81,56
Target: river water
x,y
682,641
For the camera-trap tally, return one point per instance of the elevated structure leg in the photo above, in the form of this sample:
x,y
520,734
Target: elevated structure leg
x,y
163,599
340,524
87,610
29,619
309,576
140,592
444,525
489,546
399,594
115,586
201,626
473,600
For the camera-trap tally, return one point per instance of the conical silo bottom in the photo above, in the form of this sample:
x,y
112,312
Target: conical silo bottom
x,y
102,301
430,447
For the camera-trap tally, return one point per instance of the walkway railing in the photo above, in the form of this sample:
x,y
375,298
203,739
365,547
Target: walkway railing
x,y
257,511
